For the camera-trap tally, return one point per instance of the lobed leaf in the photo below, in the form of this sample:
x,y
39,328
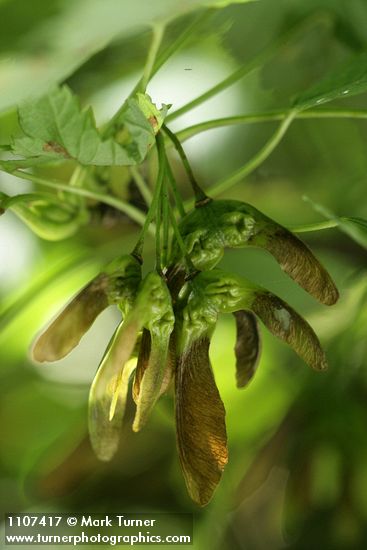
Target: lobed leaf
x,y
55,128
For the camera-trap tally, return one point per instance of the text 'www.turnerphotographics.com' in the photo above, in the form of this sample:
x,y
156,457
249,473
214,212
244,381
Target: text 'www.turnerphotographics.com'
x,y
98,529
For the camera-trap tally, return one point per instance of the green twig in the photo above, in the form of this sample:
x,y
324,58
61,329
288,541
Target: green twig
x,y
182,38
255,63
158,31
175,192
166,219
198,192
158,225
255,161
141,185
269,116
181,243
161,60
314,226
156,195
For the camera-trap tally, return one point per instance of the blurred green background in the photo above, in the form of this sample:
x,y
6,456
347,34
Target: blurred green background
x,y
297,475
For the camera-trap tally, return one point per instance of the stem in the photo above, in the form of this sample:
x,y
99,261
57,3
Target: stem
x,y
141,185
166,218
174,224
158,31
181,243
163,57
269,116
77,177
198,192
182,39
138,249
314,226
134,213
158,220
175,192
256,160
255,63
148,72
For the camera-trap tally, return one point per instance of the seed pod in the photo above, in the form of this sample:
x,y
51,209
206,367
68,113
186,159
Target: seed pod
x,y
222,292
217,225
117,284
106,414
287,325
160,327
143,362
200,412
200,422
151,310
247,348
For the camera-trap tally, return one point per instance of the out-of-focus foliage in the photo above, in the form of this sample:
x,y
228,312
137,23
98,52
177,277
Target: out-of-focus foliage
x,y
348,80
297,475
52,42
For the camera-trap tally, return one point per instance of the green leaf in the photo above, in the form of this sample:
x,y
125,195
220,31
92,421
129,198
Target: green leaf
x,y
347,80
56,128
152,114
79,30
